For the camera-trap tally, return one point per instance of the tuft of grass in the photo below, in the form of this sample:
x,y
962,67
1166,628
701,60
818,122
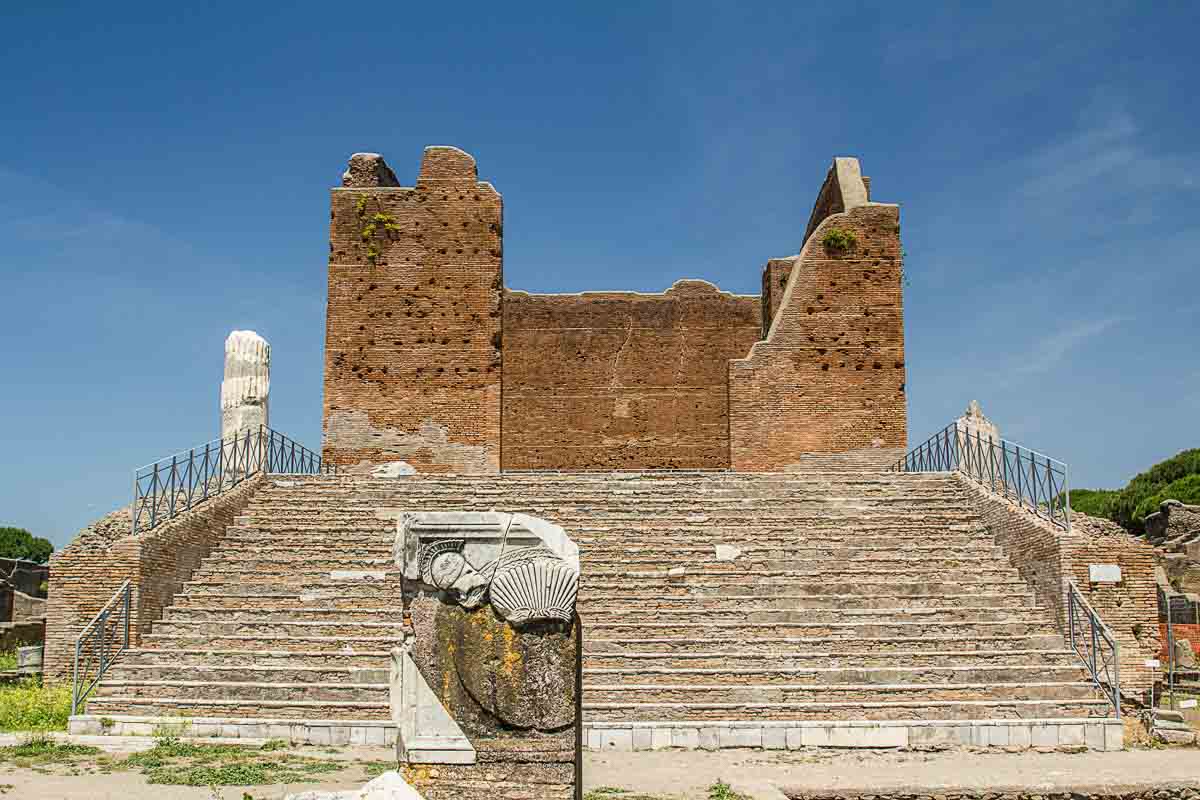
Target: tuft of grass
x,y
723,791
8,659
839,239
30,706
39,750
173,762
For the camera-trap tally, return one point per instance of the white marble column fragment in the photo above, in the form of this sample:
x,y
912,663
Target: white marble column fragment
x,y
247,383
974,425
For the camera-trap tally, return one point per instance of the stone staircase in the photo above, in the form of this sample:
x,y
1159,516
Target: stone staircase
x,y
719,609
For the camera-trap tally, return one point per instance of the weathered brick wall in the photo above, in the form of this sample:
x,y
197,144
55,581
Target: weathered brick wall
x,y
622,380
86,573
412,353
1182,631
830,376
774,283
1047,557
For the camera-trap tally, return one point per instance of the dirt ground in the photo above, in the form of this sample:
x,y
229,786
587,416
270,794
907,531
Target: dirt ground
x,y
669,775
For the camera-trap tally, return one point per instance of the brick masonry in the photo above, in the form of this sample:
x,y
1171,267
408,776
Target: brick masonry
x,y
86,573
1047,557
606,380
431,361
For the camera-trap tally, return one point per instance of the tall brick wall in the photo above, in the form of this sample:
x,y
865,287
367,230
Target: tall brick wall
x,y
830,375
1047,557
418,322
412,353
622,380
85,574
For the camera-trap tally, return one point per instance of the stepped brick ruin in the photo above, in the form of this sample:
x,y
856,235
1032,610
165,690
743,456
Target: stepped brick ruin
x,y
431,360
749,571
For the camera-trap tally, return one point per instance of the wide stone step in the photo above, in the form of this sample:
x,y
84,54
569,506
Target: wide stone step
x,y
309,585
336,629
287,672
832,572
687,586
775,562
248,573
634,614
245,692
866,710
188,707
268,613
254,657
936,661
634,629
734,674
708,642
599,600
159,641
832,693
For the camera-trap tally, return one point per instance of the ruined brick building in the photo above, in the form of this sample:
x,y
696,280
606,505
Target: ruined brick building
x,y
432,360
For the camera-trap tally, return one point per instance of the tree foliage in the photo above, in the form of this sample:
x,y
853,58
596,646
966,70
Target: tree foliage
x,y
1146,485
1185,490
1093,502
20,543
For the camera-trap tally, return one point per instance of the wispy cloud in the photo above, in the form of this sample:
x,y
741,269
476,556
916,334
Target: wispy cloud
x,y
1049,351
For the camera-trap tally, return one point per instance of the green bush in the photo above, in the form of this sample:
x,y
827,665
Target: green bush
x,y
839,239
1146,485
20,543
1185,490
1093,502
30,706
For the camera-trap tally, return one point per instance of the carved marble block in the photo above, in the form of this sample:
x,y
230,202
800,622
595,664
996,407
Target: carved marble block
x,y
487,680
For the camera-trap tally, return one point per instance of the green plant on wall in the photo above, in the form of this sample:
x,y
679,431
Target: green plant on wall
x,y
839,239
375,228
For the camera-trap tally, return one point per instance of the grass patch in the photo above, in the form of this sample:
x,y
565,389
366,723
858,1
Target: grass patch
x,y
8,659
376,768
839,240
30,706
173,762
41,750
613,793
723,791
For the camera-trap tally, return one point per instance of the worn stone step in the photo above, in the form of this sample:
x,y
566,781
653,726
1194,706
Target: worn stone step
x,y
833,659
286,672
249,692
873,710
635,614
256,657
716,573
184,706
602,601
689,692
633,629
734,674
209,641
265,613
708,642
337,628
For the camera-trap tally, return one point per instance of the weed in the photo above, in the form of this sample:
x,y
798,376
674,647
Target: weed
x,y
178,763
274,744
107,723
39,750
839,240
723,791
30,706
8,659
376,768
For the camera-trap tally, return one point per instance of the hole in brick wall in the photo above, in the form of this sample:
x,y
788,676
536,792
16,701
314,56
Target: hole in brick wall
x,y
821,351
810,309
824,367
899,364
459,251
445,224
442,250
877,365
441,369
387,313
476,197
372,287
902,387
359,297
445,197
362,327
445,340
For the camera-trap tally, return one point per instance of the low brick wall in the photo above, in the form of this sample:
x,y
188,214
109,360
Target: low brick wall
x,y
1189,632
86,573
1047,557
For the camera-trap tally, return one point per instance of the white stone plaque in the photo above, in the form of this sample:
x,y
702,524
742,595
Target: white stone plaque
x,y
1187,703
1153,663
1104,573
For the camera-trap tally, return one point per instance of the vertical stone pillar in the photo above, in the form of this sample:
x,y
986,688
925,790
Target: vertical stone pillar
x,y
247,383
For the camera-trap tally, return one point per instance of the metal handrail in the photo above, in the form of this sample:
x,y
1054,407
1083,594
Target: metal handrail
x,y
99,636
1034,481
165,488
1091,642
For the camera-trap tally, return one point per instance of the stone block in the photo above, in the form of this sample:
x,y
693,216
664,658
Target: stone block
x,y
894,736
1043,735
1093,735
319,734
643,739
1071,736
591,739
137,729
709,739
339,734
774,738
795,738
230,731
206,730
1114,737
1019,736
375,735
932,736
740,737
358,735
252,731
660,739
85,727
816,737
616,739
686,738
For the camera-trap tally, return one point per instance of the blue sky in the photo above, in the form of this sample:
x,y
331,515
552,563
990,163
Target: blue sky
x,y
164,174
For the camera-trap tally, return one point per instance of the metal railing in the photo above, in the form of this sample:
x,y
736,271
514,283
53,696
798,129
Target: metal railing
x,y
166,488
1175,608
1036,482
102,640
1095,644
